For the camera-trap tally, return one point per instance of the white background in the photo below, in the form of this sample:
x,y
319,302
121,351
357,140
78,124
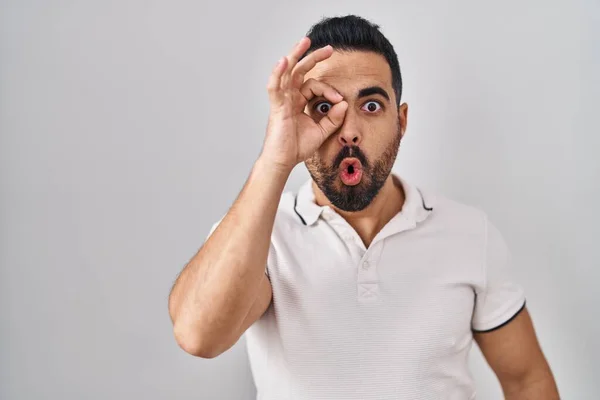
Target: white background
x,y
127,128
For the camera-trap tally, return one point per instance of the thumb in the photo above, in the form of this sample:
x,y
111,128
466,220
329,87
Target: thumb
x,y
334,118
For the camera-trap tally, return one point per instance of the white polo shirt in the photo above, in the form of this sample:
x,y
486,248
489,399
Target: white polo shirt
x,y
392,321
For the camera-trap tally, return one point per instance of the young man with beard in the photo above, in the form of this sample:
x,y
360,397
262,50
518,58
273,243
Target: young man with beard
x,y
360,285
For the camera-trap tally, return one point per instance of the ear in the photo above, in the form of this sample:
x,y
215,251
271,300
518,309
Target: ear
x,y
403,117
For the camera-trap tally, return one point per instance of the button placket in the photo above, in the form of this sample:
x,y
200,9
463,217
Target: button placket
x,y
367,273
368,279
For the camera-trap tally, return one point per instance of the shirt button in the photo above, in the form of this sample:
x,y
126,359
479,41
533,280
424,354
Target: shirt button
x,y
365,265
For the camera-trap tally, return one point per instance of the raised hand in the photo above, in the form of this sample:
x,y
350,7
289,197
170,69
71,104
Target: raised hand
x,y
292,135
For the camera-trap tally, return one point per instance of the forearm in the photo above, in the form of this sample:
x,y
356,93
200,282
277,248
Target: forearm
x,y
216,289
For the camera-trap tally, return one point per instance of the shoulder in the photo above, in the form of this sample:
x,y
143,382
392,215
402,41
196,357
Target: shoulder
x,y
449,213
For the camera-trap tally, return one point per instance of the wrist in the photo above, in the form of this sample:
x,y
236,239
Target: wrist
x,y
271,174
269,166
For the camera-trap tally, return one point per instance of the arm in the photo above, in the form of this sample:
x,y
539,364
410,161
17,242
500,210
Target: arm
x,y
223,289
225,281
515,356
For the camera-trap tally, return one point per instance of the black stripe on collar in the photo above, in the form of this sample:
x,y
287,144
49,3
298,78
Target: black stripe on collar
x,y
296,211
423,201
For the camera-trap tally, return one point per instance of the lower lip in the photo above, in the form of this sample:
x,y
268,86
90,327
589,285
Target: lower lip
x,y
351,179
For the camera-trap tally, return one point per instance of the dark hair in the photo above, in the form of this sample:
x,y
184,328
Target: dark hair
x,y
354,33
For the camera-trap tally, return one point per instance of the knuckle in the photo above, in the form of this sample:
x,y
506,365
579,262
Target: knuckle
x,y
323,131
310,83
297,80
336,124
330,122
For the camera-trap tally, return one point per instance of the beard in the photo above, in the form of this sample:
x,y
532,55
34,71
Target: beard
x,y
374,175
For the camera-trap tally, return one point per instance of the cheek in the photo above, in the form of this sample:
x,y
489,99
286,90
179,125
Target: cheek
x,y
382,139
375,149
317,159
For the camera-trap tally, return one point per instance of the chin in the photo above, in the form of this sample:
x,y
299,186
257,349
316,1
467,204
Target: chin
x,y
350,198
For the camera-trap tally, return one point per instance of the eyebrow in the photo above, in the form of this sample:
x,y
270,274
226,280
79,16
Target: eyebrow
x,y
373,90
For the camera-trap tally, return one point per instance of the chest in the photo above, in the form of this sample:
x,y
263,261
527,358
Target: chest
x,y
408,296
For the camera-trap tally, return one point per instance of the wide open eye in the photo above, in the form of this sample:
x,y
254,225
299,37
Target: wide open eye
x,y
323,107
372,106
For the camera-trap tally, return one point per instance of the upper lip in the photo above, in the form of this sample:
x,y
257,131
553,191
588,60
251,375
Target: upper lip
x,y
355,162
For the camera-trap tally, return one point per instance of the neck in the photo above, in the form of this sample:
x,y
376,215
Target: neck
x,y
369,221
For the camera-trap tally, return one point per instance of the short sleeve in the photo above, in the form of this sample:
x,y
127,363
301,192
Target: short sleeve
x,y
212,229
499,299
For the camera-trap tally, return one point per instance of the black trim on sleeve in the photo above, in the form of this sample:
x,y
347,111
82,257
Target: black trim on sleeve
x,y
506,322
295,202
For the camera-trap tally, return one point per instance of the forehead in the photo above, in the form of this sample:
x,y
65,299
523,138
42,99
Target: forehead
x,y
346,70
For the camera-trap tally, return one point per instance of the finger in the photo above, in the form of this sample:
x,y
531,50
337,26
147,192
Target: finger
x,y
313,88
297,52
292,58
309,63
273,85
334,119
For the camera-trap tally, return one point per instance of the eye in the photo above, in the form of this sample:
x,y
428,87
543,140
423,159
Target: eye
x,y
373,106
323,107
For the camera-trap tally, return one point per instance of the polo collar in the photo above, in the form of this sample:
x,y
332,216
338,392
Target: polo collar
x,y
304,205
414,210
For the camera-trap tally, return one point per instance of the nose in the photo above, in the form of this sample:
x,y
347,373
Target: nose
x,y
349,134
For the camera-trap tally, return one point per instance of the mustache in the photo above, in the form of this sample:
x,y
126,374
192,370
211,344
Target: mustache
x,y
350,151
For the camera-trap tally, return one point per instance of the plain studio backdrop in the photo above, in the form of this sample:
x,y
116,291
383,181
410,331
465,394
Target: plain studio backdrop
x,y
129,127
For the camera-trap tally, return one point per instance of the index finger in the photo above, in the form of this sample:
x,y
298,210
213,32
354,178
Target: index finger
x,y
309,62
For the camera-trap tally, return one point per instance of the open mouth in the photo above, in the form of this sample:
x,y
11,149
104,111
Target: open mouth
x,y
351,171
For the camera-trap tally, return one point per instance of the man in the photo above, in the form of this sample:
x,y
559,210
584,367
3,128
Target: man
x,y
360,285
